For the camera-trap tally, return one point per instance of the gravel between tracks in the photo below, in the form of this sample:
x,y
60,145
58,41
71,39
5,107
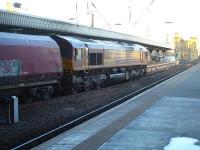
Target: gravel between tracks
x,y
38,117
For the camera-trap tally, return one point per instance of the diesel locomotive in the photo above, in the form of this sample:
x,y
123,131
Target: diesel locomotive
x,y
37,65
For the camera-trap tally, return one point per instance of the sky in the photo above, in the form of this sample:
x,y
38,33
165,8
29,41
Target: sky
x,y
148,17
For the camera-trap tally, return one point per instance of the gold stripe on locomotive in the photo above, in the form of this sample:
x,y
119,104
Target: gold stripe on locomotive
x,y
67,64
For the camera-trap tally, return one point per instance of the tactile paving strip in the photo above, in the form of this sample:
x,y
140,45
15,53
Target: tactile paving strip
x,y
105,134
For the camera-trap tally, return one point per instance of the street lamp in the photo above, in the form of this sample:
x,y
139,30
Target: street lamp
x,y
168,22
17,5
71,18
118,24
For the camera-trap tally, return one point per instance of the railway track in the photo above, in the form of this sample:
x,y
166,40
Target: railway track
x,y
75,122
151,69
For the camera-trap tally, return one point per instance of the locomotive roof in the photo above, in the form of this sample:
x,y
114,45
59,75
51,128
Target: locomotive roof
x,y
92,44
136,47
29,40
110,45
140,47
76,43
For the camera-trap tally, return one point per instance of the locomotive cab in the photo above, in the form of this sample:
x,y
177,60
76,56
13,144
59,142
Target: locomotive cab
x,y
91,63
74,53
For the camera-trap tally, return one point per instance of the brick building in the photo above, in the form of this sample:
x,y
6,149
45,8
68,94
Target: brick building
x,y
185,49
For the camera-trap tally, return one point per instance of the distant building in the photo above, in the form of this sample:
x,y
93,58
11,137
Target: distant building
x,y
185,49
193,42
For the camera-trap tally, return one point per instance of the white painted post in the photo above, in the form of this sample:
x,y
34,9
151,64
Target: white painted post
x,y
14,110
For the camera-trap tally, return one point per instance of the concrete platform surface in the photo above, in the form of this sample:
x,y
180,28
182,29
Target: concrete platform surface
x,y
138,124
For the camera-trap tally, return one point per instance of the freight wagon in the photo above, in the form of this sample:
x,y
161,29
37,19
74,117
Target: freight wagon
x,y
29,65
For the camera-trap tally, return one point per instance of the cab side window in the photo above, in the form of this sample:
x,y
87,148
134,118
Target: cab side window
x,y
79,54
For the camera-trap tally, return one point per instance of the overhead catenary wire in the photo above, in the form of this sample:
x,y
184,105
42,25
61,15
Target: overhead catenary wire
x,y
76,14
143,13
102,16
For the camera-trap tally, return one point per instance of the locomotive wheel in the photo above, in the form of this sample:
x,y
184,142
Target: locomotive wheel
x,y
127,76
133,78
103,83
86,88
26,97
46,96
142,73
75,89
133,75
138,74
98,86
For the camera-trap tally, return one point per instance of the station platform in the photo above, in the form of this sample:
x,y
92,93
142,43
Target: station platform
x,y
150,120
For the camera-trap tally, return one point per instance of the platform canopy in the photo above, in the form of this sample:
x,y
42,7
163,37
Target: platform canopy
x,y
22,23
